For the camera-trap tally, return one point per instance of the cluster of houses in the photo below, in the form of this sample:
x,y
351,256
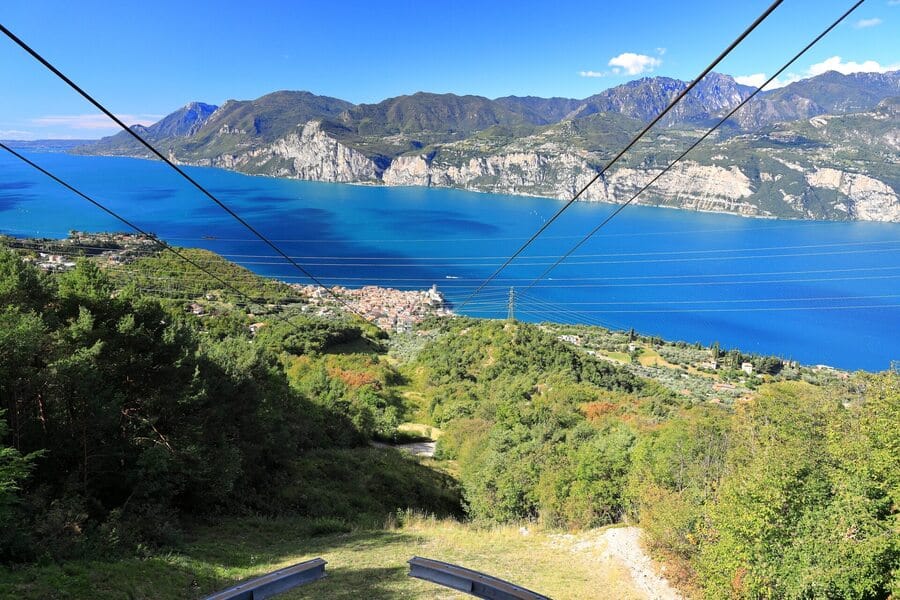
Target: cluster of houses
x,y
396,310
53,262
60,255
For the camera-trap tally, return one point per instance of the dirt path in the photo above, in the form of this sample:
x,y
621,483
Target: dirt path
x,y
621,545
415,448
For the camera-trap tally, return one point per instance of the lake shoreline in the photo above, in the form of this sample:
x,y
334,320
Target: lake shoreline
x,y
379,184
823,292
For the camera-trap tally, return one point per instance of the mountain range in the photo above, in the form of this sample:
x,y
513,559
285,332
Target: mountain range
x,y
827,147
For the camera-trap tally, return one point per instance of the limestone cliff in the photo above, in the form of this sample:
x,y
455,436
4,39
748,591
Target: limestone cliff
x,y
311,153
688,185
826,147
867,199
308,153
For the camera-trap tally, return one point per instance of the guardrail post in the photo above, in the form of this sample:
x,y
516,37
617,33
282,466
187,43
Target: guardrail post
x,y
468,581
274,582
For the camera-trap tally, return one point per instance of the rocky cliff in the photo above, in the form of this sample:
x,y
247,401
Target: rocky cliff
x,y
823,148
307,153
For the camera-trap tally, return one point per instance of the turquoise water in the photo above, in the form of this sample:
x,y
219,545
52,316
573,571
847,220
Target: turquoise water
x,y
818,292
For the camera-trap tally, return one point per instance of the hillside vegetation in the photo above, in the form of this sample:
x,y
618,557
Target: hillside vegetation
x,y
151,452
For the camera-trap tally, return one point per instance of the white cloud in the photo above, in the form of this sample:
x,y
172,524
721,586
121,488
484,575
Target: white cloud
x,y
757,79
893,2
629,63
634,64
863,23
95,121
835,63
15,134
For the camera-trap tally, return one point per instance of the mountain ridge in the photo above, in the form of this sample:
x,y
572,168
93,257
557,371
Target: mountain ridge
x,y
767,162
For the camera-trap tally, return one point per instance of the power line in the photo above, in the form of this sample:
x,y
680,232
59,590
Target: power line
x,y
696,143
180,171
706,283
541,306
534,256
726,301
632,277
407,265
128,223
561,310
643,132
578,316
748,309
454,240
505,288
451,240
499,291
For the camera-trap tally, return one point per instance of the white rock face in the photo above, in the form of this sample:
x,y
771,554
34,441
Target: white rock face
x,y
408,170
868,198
315,155
308,153
528,173
553,171
892,139
688,184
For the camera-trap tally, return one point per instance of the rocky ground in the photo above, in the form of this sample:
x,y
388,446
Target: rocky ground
x,y
622,545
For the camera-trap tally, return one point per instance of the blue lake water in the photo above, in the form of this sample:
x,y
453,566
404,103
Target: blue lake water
x,y
819,292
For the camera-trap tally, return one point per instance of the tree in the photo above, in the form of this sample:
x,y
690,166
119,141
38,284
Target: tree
x,y
85,283
21,284
801,511
584,486
13,469
676,470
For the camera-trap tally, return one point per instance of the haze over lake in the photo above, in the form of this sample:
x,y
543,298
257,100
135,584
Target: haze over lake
x,y
818,292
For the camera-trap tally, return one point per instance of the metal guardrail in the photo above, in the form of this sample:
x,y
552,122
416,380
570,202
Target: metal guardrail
x,y
274,582
468,581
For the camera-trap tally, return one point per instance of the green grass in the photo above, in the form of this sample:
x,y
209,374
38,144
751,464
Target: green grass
x,y
651,358
365,485
368,563
619,356
418,432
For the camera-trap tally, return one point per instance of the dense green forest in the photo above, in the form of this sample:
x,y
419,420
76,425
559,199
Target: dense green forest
x,y
793,494
123,416
126,421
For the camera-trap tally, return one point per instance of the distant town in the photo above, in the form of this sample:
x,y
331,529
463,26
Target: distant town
x,y
396,310
391,309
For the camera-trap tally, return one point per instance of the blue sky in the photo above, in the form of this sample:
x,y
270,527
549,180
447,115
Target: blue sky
x,y
145,59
